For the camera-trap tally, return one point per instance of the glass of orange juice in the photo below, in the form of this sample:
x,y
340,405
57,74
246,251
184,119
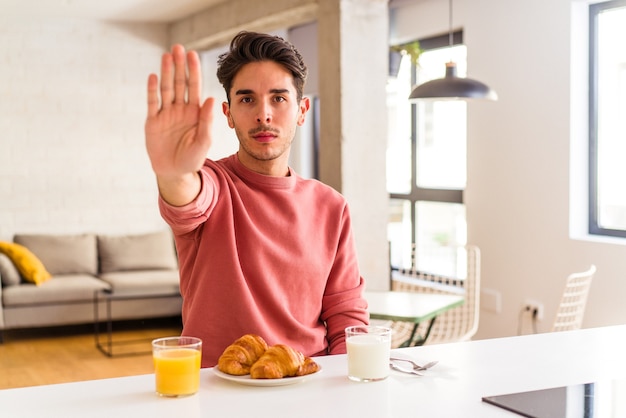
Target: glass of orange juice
x,y
177,365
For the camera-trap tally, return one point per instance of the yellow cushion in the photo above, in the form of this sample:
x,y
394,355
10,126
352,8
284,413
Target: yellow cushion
x,y
29,266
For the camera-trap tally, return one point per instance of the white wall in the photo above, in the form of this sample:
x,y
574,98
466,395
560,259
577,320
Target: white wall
x,y
73,106
518,192
71,126
224,139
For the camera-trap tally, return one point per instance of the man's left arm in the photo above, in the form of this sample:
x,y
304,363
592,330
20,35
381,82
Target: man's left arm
x,y
343,304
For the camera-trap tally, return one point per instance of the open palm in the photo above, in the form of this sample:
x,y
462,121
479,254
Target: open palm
x,y
177,128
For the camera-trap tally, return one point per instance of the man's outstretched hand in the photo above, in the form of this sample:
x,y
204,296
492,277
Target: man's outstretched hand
x,y
178,127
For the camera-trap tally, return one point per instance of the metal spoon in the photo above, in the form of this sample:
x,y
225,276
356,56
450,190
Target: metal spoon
x,y
403,370
415,365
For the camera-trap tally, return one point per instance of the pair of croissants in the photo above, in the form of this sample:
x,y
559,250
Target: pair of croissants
x,y
250,354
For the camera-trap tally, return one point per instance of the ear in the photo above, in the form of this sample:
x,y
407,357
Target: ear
x,y
229,117
305,104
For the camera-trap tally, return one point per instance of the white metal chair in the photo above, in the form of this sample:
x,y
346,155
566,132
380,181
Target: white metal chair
x,y
569,315
457,324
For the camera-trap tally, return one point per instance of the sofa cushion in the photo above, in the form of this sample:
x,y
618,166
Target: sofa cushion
x,y
27,263
8,272
63,254
147,281
62,289
137,252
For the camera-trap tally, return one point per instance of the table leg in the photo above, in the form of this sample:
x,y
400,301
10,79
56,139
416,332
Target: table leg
x,y
108,350
407,343
96,319
109,330
430,327
415,340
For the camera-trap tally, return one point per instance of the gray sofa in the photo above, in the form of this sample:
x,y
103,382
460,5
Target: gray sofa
x,y
80,265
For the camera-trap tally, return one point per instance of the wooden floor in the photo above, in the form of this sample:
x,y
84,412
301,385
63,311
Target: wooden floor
x,y
68,354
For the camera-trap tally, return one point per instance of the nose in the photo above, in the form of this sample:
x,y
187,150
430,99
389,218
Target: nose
x,y
264,115
266,118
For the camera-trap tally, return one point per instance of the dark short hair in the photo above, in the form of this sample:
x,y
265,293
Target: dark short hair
x,y
247,47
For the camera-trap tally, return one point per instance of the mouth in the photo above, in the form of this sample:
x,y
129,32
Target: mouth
x,y
264,136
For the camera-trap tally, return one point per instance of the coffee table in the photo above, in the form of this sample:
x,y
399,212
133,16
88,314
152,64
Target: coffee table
x,y
107,296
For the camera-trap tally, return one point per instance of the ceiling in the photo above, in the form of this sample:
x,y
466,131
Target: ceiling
x,y
114,10
119,10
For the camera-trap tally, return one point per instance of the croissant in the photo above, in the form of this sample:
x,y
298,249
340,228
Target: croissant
x,y
282,361
309,366
238,357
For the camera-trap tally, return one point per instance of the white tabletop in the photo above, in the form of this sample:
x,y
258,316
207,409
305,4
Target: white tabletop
x,y
454,388
409,306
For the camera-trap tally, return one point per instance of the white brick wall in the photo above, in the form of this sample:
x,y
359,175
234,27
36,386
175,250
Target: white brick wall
x,y
72,109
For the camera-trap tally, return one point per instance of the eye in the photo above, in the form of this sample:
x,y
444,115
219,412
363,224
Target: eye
x,y
279,99
246,100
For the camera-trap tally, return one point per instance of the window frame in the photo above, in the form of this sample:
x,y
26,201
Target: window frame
x,y
420,194
594,227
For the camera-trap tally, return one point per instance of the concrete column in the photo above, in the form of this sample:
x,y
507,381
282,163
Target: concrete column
x,y
353,59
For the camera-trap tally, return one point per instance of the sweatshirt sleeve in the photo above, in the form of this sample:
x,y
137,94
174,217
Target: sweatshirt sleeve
x,y
343,304
183,219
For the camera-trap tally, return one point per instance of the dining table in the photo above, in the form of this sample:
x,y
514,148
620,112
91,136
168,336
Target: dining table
x,y
466,373
413,307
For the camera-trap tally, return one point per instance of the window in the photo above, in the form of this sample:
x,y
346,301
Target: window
x,y
426,163
607,125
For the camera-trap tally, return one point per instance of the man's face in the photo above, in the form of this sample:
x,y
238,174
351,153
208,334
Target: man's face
x,y
264,111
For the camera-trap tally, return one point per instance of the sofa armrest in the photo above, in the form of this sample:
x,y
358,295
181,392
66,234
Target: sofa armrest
x,y
1,311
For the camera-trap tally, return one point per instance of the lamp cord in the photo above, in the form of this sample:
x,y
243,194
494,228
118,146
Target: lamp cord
x,y
450,23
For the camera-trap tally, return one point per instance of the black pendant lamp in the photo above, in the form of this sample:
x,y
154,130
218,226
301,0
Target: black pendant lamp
x,y
452,87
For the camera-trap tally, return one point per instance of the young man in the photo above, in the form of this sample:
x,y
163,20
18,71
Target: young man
x,y
261,250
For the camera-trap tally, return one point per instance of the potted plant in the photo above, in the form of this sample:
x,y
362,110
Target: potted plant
x,y
413,49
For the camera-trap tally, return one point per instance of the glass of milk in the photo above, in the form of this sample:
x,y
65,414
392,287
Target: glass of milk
x,y
369,348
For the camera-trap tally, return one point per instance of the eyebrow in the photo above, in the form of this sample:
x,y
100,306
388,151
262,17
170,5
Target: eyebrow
x,y
248,91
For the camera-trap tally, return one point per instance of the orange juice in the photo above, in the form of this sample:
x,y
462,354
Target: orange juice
x,y
177,371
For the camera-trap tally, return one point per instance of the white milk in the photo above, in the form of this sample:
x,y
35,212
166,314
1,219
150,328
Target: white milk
x,y
368,357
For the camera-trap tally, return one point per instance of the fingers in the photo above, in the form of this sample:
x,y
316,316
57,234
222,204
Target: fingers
x,y
173,76
180,74
153,95
206,121
167,88
206,117
195,78
177,86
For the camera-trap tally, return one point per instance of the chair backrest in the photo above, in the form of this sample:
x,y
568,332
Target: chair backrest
x,y
460,323
571,310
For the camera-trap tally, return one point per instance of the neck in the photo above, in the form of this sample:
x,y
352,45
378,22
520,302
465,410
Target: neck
x,y
277,167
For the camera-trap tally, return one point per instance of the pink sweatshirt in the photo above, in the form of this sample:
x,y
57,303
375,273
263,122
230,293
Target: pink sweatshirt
x,y
273,256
